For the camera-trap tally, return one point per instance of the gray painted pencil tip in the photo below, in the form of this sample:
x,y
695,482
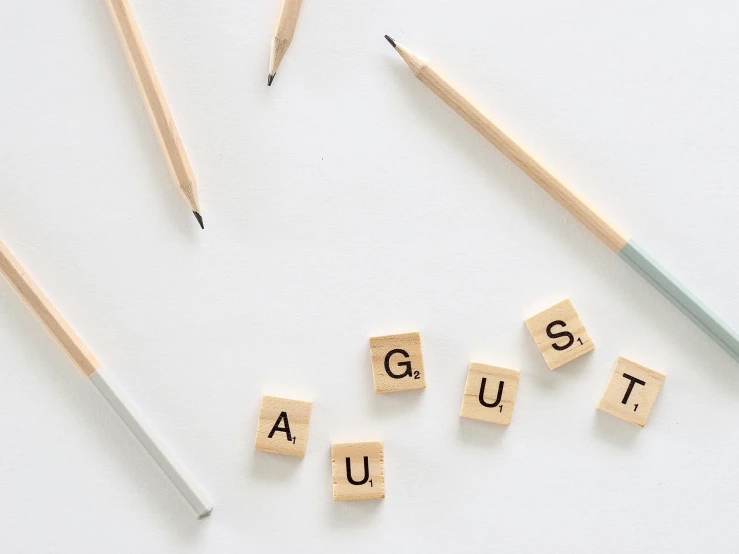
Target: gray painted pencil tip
x,y
199,218
270,78
390,40
205,514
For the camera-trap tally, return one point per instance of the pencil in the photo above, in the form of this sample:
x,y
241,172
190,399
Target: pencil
x,y
283,35
619,243
103,382
156,105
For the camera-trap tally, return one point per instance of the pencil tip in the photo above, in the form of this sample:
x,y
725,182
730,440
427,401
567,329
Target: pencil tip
x,y
270,78
391,41
200,219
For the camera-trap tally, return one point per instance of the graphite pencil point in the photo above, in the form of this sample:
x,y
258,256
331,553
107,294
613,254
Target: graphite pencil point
x,y
199,218
390,40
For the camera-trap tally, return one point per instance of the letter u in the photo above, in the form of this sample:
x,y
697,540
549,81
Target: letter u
x,y
482,394
349,472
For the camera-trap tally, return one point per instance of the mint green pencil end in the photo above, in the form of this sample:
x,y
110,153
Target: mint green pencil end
x,y
681,297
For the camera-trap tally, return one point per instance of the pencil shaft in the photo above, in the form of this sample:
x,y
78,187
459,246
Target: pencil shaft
x,y
284,33
156,104
139,426
73,345
40,305
553,186
719,331
710,323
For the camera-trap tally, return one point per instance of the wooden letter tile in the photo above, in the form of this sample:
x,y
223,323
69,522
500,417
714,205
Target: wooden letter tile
x,y
397,364
283,426
559,334
358,470
490,393
631,392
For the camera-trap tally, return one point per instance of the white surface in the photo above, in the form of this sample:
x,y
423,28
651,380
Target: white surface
x,y
346,201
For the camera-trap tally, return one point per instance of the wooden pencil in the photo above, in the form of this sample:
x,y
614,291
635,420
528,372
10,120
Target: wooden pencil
x,y
283,35
625,247
169,138
71,343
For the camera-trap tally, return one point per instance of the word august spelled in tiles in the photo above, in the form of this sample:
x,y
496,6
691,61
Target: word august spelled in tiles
x,y
490,392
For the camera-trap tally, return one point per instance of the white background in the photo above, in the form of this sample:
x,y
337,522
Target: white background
x,y
345,201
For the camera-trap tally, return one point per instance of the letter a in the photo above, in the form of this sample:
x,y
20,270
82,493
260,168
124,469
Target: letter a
x,y
276,427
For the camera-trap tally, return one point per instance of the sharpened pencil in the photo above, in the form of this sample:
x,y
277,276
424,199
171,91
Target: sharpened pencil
x,y
283,35
104,383
169,138
626,248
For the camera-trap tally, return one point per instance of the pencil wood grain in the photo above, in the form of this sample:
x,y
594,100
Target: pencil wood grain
x,y
488,129
169,138
283,35
653,272
45,311
105,384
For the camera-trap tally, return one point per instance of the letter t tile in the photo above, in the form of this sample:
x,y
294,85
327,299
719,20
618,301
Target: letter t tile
x,y
631,392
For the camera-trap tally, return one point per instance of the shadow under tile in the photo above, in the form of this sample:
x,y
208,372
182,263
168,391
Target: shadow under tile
x,y
614,431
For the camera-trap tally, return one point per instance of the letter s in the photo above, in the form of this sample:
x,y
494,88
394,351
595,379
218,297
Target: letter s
x,y
570,338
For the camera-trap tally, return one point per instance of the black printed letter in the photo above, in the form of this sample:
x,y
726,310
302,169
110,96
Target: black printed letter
x,y
407,365
285,429
631,386
570,338
349,472
482,394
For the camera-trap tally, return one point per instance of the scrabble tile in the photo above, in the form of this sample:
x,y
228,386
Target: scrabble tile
x,y
490,393
358,469
283,426
559,334
631,392
397,364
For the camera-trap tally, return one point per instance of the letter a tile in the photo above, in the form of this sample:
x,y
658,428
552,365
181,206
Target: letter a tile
x,y
397,363
283,426
490,393
631,392
358,469
559,334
